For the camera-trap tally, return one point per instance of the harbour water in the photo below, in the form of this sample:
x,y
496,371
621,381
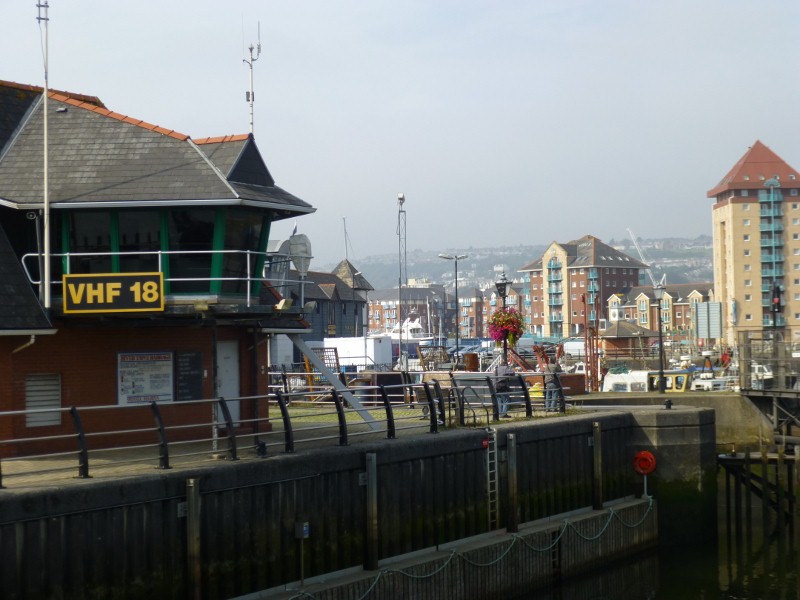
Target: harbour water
x,y
763,565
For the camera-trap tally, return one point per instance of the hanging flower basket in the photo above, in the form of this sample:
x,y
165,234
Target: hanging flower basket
x,y
506,323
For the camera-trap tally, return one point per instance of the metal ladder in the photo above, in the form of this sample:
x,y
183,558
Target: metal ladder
x,y
491,478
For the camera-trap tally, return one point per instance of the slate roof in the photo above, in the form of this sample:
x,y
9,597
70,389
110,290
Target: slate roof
x,y
348,273
21,312
679,292
589,251
325,286
98,157
626,329
757,165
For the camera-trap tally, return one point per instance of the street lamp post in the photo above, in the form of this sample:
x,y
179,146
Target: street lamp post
x,y
455,258
658,293
502,290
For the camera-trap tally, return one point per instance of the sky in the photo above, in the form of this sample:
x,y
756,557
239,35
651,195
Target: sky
x,y
502,122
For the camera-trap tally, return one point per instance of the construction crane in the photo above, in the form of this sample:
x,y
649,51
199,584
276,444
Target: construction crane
x,y
646,261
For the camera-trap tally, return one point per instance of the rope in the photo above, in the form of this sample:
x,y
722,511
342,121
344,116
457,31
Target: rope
x,y
566,525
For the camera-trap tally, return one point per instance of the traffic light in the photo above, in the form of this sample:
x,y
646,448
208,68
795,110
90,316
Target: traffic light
x,y
776,298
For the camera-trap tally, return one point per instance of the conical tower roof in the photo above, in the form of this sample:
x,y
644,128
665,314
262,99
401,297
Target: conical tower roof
x,y
757,165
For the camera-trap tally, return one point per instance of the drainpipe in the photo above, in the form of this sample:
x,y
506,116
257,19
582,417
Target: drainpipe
x,y
27,344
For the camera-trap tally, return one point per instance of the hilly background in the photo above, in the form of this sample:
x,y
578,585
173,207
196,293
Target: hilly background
x,y
683,260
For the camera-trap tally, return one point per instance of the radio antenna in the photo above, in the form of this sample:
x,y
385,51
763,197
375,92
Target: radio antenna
x,y
255,52
43,18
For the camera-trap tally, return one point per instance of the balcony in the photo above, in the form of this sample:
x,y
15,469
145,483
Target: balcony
x,y
772,242
773,211
213,276
593,288
556,318
772,273
555,276
771,257
593,274
775,226
780,321
555,300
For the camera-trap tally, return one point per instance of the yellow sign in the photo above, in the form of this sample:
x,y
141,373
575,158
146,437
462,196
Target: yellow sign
x,y
113,292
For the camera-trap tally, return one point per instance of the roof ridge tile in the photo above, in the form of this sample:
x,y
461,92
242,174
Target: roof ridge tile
x,y
119,117
222,138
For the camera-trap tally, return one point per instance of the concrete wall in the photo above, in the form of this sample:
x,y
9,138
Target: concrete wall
x,y
738,421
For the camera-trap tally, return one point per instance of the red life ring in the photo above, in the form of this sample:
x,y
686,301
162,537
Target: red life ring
x,y
644,462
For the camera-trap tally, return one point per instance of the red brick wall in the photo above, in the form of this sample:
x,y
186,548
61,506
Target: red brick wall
x,y
86,359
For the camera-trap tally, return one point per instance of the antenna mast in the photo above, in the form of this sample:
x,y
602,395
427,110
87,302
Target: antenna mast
x,y
45,276
251,95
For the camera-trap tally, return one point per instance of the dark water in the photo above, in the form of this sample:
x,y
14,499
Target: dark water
x,y
762,564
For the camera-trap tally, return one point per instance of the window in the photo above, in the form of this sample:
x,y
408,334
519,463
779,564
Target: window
x,y
746,193
747,252
748,317
795,221
574,284
793,192
746,222
746,237
747,267
42,391
745,206
748,282
582,284
748,297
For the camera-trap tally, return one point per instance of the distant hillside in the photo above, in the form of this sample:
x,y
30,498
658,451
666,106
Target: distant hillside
x,y
683,260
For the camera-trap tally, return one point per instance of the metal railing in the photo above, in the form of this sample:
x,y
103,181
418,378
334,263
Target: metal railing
x,y
162,434
246,275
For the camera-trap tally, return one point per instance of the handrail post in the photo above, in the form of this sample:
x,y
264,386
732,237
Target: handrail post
x,y
284,380
163,447
391,430
526,395
495,404
341,417
226,414
437,390
460,400
83,453
431,408
288,434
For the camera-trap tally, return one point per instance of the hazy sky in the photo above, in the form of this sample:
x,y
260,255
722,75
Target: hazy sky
x,y
503,122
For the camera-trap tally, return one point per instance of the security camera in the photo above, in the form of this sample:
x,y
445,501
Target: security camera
x,y
30,215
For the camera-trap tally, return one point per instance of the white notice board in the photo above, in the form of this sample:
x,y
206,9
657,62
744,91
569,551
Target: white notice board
x,y
145,377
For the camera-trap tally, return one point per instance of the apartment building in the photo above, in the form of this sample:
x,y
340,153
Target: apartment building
x,y
571,283
639,305
756,230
